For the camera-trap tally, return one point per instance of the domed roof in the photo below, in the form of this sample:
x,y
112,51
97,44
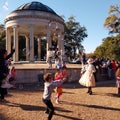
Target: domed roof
x,y
35,6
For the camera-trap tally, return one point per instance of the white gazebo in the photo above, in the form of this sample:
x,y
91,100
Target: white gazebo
x,y
33,20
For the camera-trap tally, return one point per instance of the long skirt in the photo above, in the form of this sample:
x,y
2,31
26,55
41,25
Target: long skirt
x,y
87,79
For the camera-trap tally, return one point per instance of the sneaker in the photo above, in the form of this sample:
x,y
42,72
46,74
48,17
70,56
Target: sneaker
x,y
57,101
90,93
46,112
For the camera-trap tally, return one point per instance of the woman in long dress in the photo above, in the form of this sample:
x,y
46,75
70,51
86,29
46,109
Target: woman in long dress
x,y
87,79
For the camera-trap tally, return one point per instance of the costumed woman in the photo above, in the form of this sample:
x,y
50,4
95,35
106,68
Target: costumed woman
x,y
87,79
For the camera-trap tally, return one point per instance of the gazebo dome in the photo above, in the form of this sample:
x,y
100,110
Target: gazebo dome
x,y
35,6
33,21
34,9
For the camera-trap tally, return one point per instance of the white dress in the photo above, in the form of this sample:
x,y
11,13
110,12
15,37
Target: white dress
x,y
87,79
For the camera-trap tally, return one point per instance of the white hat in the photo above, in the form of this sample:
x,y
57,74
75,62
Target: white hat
x,y
90,61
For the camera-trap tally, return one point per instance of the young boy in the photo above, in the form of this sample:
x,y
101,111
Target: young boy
x,y
49,85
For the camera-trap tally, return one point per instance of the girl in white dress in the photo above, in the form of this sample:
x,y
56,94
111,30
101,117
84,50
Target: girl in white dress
x,y
87,79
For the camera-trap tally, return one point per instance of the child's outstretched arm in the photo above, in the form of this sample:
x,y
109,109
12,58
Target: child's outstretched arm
x,y
57,83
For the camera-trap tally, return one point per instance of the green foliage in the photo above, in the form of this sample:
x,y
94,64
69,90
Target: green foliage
x,y
74,35
2,36
112,22
110,48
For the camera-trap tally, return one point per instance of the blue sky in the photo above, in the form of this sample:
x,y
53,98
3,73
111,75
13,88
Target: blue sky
x,y
89,13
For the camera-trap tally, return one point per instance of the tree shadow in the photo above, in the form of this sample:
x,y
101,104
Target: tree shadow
x,y
33,107
102,107
107,94
69,117
40,108
26,107
92,106
112,95
62,110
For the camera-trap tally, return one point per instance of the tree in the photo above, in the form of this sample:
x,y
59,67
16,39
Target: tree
x,y
74,35
111,45
112,22
110,48
2,36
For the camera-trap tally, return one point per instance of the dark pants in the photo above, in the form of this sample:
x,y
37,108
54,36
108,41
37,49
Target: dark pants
x,y
2,93
119,91
50,108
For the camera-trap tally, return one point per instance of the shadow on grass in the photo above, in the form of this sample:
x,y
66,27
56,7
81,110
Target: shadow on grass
x,y
102,107
91,106
112,95
33,107
68,117
25,106
39,108
107,94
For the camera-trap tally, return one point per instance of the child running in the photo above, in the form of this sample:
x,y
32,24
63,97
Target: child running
x,y
60,74
49,85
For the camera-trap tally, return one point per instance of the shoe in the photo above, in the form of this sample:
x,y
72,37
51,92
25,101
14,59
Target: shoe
x,y
90,93
46,112
57,101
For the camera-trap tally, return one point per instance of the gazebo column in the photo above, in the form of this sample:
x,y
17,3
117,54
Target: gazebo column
x,y
48,38
59,41
27,48
8,40
62,44
31,44
15,34
39,48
